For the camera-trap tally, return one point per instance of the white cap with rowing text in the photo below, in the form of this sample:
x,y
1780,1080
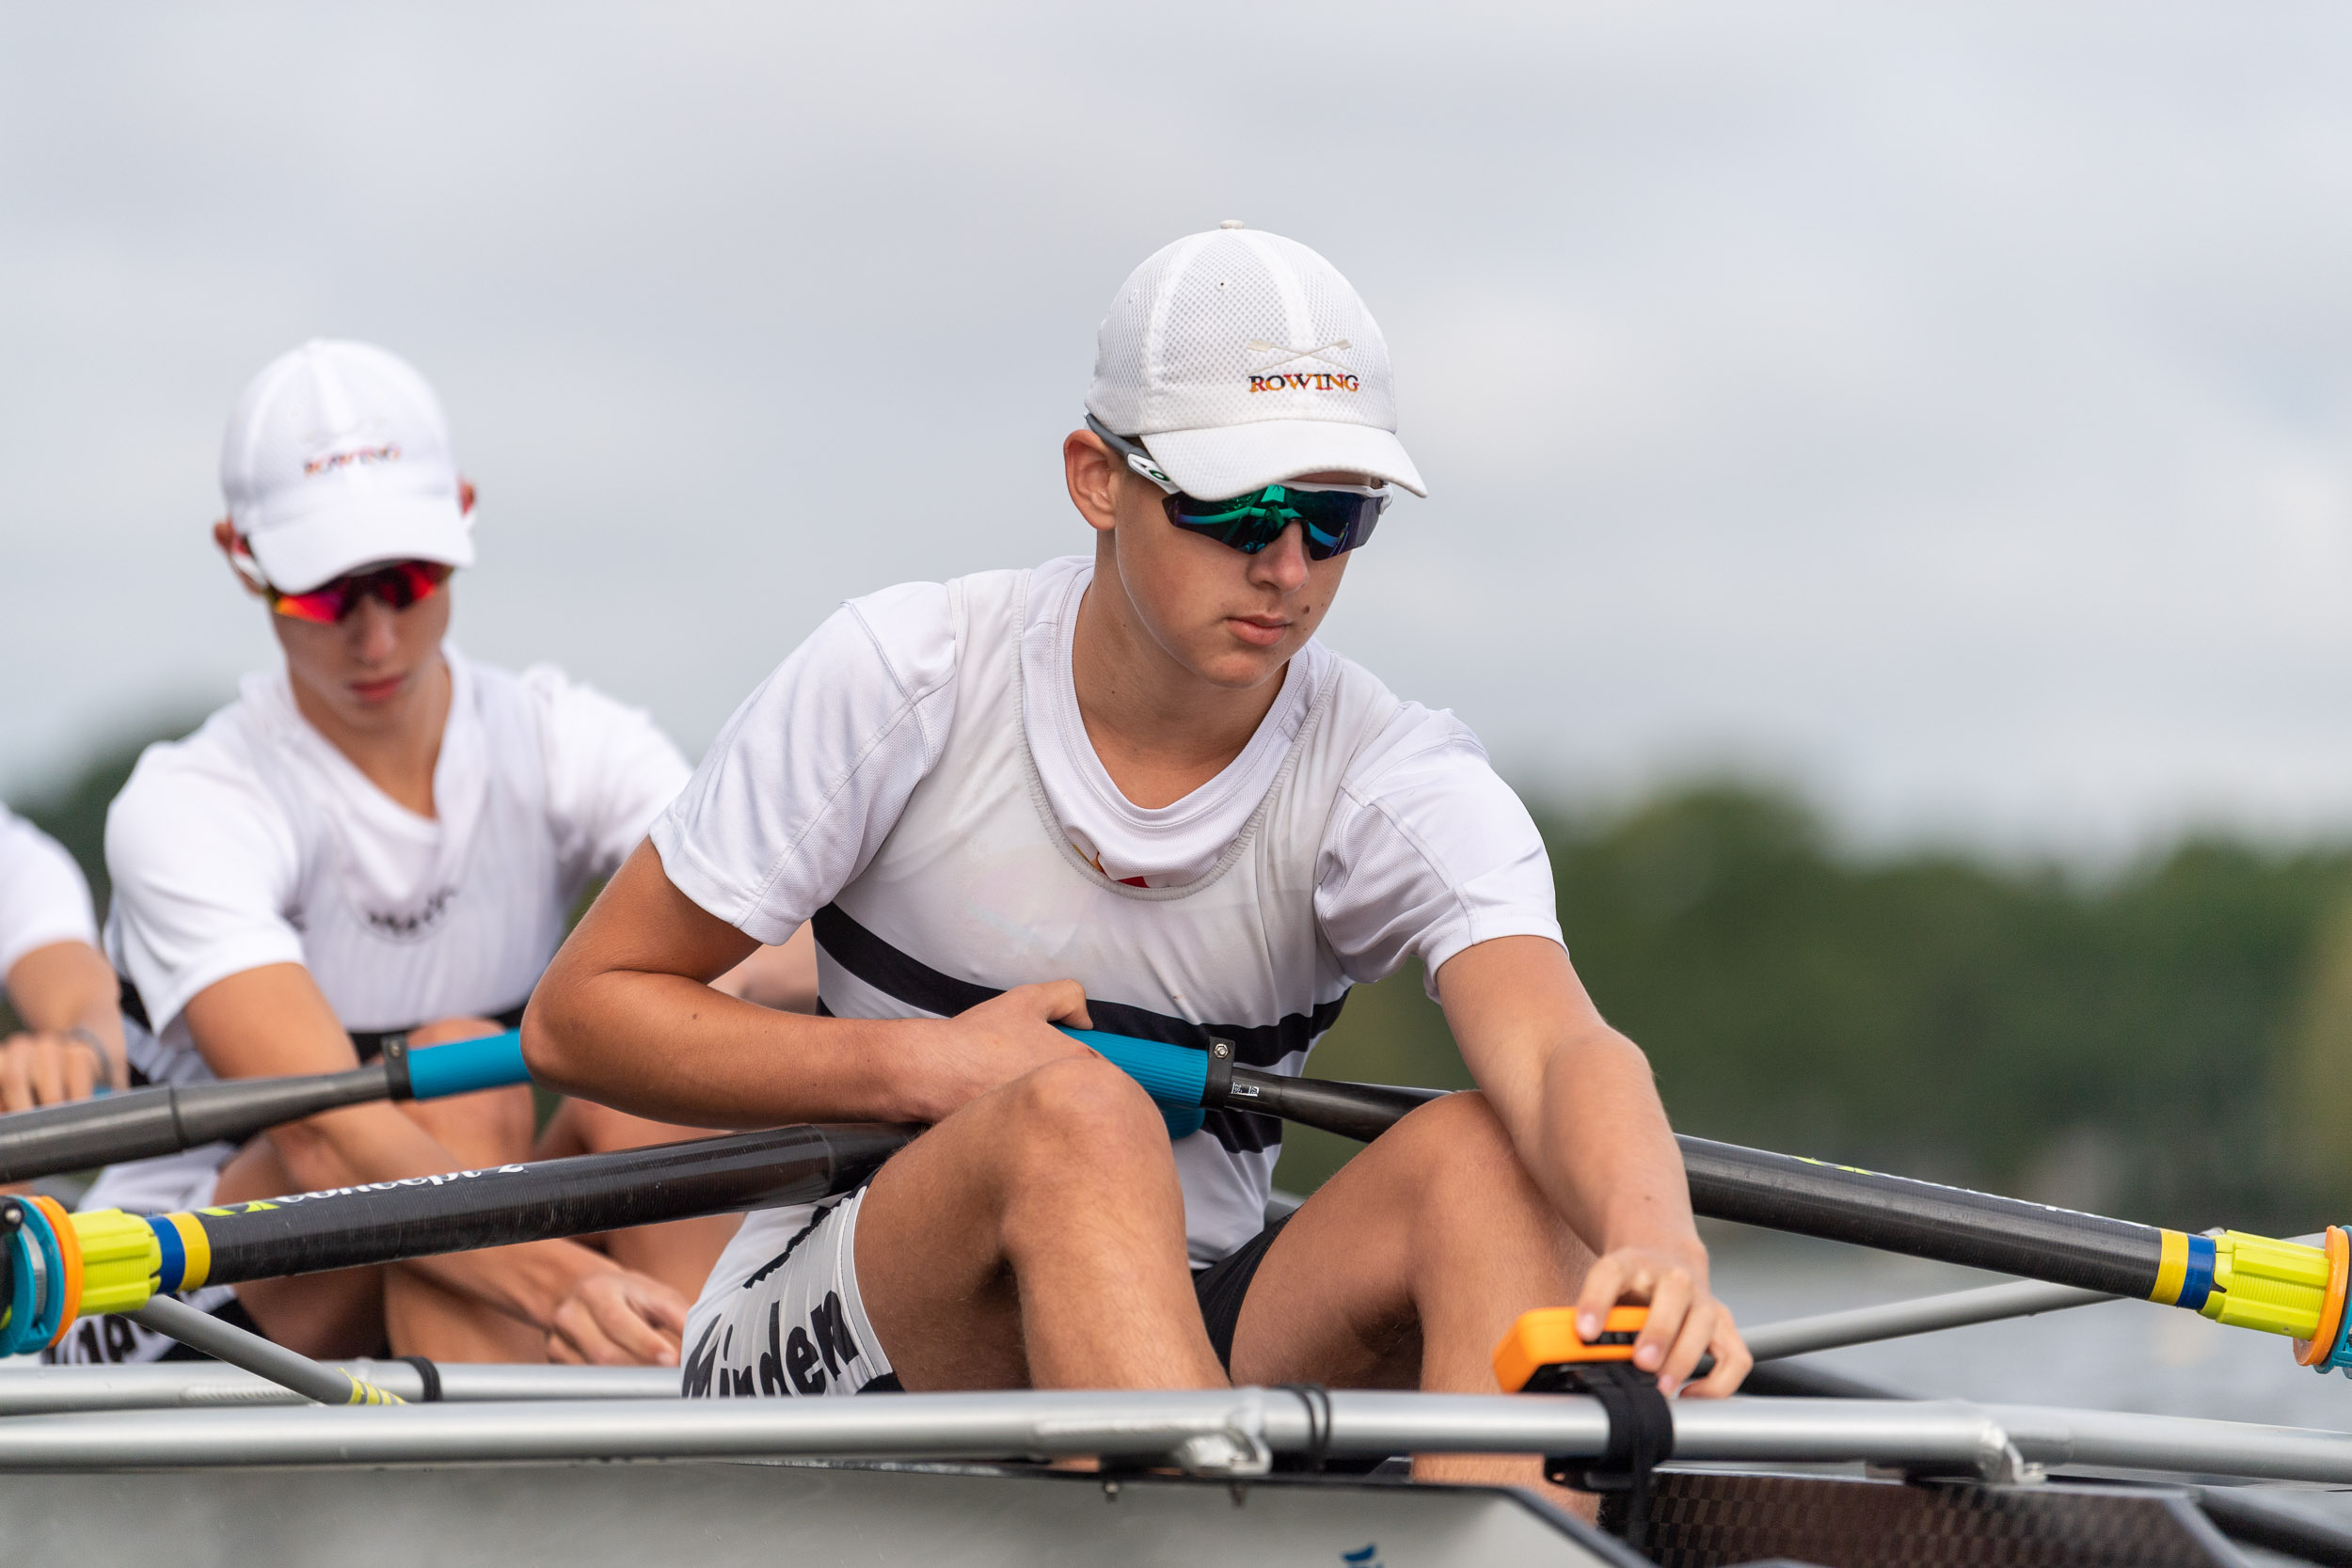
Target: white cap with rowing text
x,y
336,457
1241,359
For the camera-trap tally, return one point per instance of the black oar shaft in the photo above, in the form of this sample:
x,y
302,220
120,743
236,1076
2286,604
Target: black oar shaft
x,y
141,1123
1806,1197
1895,1213
384,1221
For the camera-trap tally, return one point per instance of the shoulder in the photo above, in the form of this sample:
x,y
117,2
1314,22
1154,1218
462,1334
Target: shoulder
x,y
560,703
909,628
209,786
27,854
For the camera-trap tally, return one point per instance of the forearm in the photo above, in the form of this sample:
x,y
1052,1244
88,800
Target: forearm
x,y
1575,1095
1598,1143
67,987
674,1049
378,1142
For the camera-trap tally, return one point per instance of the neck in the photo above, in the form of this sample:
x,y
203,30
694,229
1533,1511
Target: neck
x,y
1159,729
396,750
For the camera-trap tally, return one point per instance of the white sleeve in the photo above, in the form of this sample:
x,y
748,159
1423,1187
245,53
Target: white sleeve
x,y
43,899
205,868
610,771
810,775
1428,852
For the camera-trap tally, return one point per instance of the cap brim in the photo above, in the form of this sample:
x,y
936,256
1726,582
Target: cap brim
x,y
1231,459
298,555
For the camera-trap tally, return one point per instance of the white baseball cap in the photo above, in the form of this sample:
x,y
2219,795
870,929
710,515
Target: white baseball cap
x,y
337,457
1241,359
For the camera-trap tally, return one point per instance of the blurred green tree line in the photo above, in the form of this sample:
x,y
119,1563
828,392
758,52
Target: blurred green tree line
x,y
2172,1042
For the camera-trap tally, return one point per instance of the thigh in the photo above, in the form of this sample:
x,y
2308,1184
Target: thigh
x,y
1410,1263
930,1260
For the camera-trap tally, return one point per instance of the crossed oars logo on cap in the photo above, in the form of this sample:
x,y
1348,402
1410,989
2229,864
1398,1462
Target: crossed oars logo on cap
x,y
1258,345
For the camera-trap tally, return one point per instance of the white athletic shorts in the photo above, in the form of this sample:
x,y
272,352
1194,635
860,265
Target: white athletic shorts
x,y
781,1314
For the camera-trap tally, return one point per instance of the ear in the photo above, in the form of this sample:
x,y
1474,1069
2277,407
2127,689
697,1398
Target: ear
x,y
239,556
465,496
1094,474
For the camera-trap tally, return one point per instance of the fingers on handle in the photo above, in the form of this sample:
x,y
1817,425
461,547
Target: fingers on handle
x,y
1066,1003
16,1084
49,1068
81,1073
1669,1299
1732,1360
1603,1284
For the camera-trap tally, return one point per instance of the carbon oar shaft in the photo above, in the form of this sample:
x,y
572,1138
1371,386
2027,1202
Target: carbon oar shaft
x,y
139,1124
387,1221
2251,1281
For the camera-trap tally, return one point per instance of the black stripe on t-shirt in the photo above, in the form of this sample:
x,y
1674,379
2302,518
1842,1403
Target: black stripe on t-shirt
x,y
908,979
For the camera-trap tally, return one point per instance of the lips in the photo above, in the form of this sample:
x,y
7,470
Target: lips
x,y
378,692
1258,632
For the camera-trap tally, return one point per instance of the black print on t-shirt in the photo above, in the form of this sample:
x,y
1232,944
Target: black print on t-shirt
x,y
403,926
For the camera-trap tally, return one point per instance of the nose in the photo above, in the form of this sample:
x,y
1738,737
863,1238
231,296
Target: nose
x,y
1282,565
372,630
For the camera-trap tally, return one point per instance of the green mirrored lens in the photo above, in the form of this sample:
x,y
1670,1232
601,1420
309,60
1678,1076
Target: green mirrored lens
x,y
1334,520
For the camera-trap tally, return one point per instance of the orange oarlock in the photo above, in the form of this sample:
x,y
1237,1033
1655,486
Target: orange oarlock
x,y
2315,1350
1547,1338
70,1250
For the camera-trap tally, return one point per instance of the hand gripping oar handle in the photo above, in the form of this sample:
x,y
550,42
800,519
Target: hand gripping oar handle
x,y
141,1123
1187,1081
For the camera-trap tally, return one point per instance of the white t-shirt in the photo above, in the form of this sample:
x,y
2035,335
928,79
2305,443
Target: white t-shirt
x,y
256,842
43,899
1426,853
915,780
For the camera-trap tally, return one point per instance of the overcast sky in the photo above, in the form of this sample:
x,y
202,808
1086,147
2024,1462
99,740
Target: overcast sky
x,y
1949,408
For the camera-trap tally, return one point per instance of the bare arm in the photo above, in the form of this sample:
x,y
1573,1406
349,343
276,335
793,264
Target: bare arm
x,y
272,1021
68,998
627,1015
1582,1109
783,977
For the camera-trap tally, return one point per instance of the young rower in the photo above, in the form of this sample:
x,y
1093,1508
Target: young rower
x,y
61,987
382,839
1130,790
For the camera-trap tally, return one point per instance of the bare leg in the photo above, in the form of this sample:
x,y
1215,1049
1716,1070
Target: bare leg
x,y
1037,1238
1408,1268
681,1254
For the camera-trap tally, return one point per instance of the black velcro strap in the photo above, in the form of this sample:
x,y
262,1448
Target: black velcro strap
x,y
1641,1435
428,1374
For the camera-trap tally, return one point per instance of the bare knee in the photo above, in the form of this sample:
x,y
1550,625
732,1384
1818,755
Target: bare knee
x,y
1455,1156
1082,1115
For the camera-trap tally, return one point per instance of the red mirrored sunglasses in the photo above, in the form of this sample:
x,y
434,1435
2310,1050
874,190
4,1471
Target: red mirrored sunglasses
x,y
398,583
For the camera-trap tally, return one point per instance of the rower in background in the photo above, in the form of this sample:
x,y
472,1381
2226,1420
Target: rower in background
x,y
1130,791
62,987
383,838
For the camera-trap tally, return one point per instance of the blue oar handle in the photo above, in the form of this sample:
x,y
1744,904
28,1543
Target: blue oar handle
x,y
460,1068
1176,1076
